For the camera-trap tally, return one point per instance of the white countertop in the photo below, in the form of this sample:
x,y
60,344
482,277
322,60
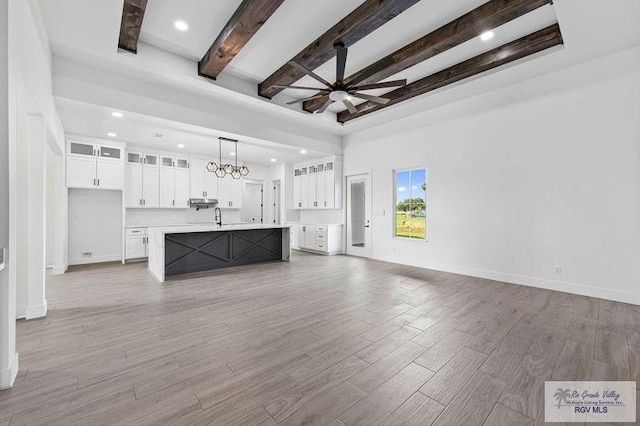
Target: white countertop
x,y
179,224
182,229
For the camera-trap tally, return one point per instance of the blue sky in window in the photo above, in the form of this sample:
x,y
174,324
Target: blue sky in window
x,y
409,184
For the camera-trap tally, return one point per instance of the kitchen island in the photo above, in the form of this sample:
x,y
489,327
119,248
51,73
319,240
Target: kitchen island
x,y
175,250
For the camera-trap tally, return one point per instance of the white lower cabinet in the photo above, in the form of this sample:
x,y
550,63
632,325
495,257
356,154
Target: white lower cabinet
x,y
136,244
326,239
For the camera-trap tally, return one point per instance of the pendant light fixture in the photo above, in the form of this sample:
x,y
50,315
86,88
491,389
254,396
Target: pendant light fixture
x,y
228,168
236,172
222,170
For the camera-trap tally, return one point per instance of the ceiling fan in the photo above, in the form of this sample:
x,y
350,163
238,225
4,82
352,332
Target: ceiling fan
x,y
339,91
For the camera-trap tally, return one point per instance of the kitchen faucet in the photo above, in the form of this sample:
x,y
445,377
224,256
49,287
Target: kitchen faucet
x,y
218,216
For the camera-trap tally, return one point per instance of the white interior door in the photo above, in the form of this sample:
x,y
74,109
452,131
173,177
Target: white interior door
x,y
359,215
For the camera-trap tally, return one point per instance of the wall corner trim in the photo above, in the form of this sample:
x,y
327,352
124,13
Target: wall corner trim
x,y
37,311
8,375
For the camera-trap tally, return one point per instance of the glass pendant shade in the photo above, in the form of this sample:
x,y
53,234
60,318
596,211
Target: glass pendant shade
x,y
244,170
228,168
212,167
220,173
236,174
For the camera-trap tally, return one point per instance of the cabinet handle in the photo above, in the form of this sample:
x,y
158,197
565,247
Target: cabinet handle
x,y
98,182
174,202
94,181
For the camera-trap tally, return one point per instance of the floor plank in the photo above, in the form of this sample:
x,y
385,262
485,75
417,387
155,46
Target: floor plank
x,y
467,408
447,382
382,370
417,410
376,407
525,391
502,416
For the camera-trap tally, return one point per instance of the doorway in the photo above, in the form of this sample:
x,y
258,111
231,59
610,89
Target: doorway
x,y
358,215
252,203
276,202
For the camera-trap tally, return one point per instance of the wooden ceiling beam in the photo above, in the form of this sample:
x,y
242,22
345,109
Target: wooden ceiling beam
x,y
521,48
365,19
131,24
245,22
484,18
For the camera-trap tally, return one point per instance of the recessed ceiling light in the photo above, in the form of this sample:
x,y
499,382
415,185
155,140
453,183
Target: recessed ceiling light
x,y
273,160
181,25
117,114
180,145
488,35
232,154
303,151
111,135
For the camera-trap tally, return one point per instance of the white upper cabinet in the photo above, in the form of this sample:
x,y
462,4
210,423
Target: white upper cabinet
x,y
181,184
318,184
203,183
91,165
230,192
167,187
142,177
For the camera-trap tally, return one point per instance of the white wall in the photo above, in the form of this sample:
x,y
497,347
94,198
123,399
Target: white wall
x,y
542,174
95,226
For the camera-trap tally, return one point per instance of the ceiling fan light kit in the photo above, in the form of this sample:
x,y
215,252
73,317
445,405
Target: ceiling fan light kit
x,y
339,91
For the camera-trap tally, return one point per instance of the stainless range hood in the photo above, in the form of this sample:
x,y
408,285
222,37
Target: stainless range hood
x,y
203,203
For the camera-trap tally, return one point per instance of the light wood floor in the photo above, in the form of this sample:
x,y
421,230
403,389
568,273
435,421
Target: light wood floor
x,y
320,340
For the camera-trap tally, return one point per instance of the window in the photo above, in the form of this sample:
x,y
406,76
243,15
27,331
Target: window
x,y
411,204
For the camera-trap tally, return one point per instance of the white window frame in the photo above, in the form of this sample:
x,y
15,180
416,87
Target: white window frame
x,y
395,203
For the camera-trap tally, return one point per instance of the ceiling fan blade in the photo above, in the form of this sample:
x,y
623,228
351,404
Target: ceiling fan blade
x,y
297,101
341,61
352,109
301,87
324,107
394,83
376,99
310,73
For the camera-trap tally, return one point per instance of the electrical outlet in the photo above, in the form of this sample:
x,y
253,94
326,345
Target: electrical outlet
x,y
558,270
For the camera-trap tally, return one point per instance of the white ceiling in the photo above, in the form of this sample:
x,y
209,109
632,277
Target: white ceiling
x,y
138,130
88,31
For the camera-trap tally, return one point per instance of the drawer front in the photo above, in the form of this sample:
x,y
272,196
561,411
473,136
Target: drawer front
x,y
321,246
136,231
321,237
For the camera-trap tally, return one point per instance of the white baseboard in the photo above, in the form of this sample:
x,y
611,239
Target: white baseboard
x,y
37,311
8,375
95,259
58,270
21,312
563,286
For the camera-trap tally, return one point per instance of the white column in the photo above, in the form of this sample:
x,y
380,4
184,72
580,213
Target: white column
x,y
36,211
8,356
